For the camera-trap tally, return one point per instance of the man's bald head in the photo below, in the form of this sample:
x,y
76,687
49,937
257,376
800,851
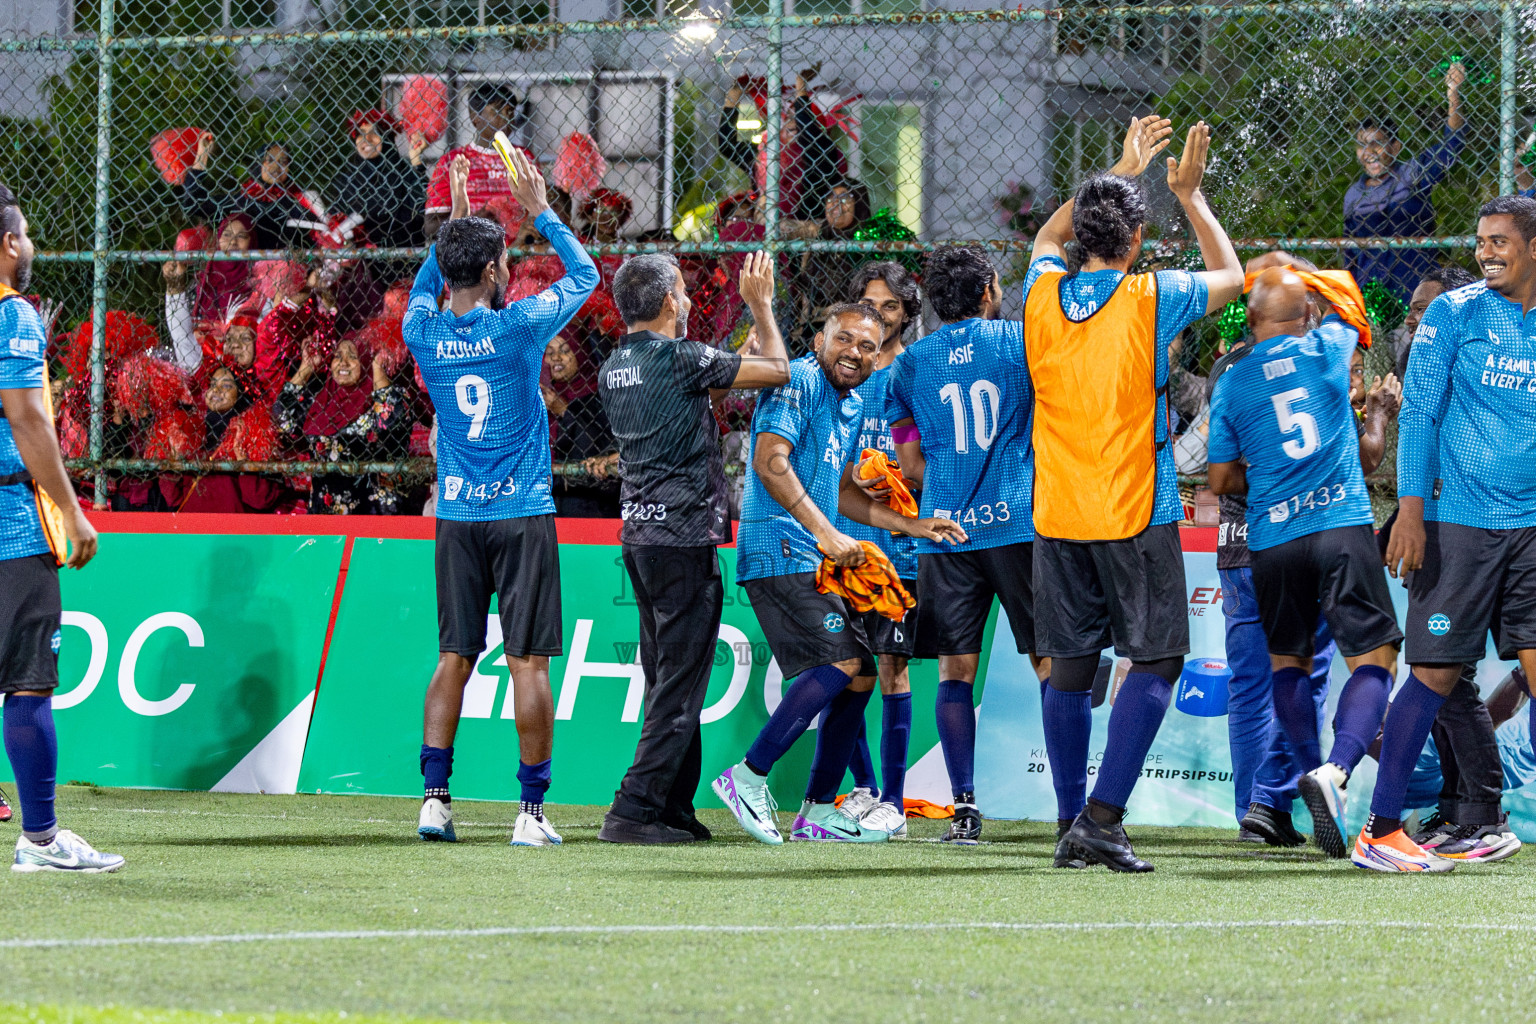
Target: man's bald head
x,y
1277,304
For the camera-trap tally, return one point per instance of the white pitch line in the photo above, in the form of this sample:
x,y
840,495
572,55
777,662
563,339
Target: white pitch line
x,y
733,929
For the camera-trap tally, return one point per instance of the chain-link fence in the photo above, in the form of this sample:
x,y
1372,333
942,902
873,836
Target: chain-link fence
x,y
228,196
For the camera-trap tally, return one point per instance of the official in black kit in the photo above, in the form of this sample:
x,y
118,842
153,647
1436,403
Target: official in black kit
x,y
657,389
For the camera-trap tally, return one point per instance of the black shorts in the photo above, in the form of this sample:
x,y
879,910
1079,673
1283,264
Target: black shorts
x,y
1127,592
1473,580
30,609
958,588
888,637
518,560
1336,573
806,628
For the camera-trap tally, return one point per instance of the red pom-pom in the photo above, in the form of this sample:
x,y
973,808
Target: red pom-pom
x,y
424,106
383,335
250,437
175,434
196,239
508,213
602,315
146,384
609,199
396,298
173,151
579,168
126,335
75,422
273,279
532,275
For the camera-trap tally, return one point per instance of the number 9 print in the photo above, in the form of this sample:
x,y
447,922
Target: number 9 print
x,y
474,396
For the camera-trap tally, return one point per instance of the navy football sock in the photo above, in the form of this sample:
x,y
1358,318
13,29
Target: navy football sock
x,y
834,743
1068,722
33,748
861,764
806,698
1362,702
895,736
436,766
1402,740
956,713
535,783
1297,715
1139,709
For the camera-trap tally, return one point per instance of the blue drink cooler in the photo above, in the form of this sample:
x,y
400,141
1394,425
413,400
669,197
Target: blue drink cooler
x,y
1203,688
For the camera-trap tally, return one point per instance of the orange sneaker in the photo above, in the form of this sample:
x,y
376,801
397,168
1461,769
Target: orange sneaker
x,y
1395,852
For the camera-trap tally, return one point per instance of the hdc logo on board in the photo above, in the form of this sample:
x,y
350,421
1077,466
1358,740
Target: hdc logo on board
x,y
127,662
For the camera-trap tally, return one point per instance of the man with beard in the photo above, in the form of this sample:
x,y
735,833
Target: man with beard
x,y
656,389
800,479
495,513
38,512
1466,478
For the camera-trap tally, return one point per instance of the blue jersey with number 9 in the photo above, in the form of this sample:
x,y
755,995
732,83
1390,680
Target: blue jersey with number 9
x,y
1285,408
482,371
966,388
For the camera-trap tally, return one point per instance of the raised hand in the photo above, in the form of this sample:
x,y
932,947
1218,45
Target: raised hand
x,y
1144,139
205,143
458,187
756,285
1385,396
1455,77
418,146
1187,172
528,186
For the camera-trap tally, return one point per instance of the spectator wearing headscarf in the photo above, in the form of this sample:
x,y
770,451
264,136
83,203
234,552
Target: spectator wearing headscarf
x,y
341,406
296,322
809,160
223,284
380,185
579,432
278,212
236,429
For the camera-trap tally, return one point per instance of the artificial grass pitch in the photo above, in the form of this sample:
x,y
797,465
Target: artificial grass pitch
x,y
323,910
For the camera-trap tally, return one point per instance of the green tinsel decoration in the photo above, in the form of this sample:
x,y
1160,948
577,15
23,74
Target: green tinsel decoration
x,y
884,226
1385,310
1232,324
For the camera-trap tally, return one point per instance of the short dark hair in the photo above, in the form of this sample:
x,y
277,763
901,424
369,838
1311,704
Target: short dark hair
x,y
1521,208
1378,124
957,278
491,92
1449,277
1106,212
896,277
642,283
10,212
465,246
838,310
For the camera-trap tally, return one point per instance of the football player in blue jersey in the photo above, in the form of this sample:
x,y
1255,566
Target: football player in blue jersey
x,y
495,514
38,513
1285,409
880,804
799,480
1466,476
963,391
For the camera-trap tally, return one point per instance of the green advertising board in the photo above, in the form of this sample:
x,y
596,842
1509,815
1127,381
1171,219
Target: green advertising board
x,y
189,662
366,732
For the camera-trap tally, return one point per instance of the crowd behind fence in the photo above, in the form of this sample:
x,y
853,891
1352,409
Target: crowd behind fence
x,y
230,197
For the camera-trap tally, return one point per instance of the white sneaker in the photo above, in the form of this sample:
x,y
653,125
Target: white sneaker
x,y
886,818
534,831
859,802
436,823
67,852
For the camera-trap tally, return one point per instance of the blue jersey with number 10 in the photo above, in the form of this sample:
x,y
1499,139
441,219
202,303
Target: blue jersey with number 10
x,y
1285,408
967,389
482,371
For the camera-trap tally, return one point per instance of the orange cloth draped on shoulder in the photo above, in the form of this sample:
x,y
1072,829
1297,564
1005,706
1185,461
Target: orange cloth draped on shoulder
x,y
48,513
1338,287
875,465
873,586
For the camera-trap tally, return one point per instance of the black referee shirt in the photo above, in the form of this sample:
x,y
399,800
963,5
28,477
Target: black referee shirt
x,y
655,391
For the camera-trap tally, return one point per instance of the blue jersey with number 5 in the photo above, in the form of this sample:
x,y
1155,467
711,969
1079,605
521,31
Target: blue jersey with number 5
x,y
966,388
482,371
1285,408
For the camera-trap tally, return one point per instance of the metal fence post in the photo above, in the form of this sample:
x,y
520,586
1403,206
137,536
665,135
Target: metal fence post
x,y
1509,43
771,124
103,240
